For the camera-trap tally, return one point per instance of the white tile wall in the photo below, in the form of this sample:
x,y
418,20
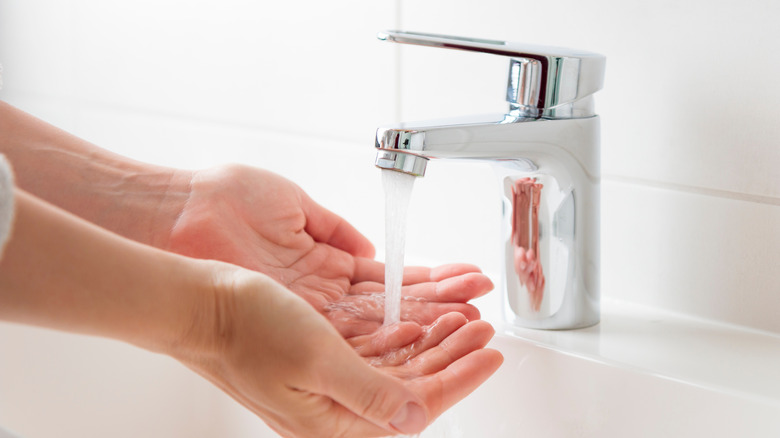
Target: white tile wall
x,y
275,66
691,218
699,254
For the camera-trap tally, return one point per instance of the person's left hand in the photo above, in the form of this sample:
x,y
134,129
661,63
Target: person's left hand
x,y
258,220
273,353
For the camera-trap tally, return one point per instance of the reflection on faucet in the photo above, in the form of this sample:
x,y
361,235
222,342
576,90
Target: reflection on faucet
x,y
526,193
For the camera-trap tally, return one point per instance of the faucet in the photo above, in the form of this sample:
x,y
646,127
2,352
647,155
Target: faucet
x,y
546,154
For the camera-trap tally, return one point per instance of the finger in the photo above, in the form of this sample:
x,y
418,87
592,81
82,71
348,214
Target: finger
x,y
374,396
374,271
327,227
386,339
445,388
458,289
425,313
452,270
315,415
455,289
470,337
431,336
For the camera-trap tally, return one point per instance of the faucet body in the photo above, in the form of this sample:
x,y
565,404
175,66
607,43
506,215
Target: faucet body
x,y
557,218
546,154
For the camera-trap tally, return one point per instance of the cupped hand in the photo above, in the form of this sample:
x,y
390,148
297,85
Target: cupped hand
x,y
277,356
408,350
259,220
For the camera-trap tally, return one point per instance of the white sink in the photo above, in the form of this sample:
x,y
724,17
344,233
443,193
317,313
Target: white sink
x,y
639,373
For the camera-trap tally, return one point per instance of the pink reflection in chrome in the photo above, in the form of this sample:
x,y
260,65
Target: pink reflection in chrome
x,y
526,193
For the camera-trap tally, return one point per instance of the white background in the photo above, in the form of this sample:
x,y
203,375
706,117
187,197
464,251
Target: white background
x,y
691,160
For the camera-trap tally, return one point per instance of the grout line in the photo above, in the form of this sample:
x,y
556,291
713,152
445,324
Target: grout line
x,y
704,191
397,60
76,104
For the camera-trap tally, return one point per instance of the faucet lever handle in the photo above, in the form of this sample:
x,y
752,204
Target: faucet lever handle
x,y
543,81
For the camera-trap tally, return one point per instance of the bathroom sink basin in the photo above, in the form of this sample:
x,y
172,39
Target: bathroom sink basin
x,y
640,373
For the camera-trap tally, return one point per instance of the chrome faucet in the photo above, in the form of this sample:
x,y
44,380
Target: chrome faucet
x,y
545,151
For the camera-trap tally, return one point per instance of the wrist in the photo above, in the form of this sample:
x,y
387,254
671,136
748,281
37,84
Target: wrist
x,y
138,201
149,203
135,200
229,306
205,327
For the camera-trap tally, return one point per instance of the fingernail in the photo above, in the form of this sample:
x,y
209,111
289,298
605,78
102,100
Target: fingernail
x,y
410,419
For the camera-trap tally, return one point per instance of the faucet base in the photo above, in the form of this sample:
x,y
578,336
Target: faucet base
x,y
550,234
567,319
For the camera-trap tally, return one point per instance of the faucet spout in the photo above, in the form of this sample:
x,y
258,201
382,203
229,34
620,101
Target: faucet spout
x,y
407,147
549,177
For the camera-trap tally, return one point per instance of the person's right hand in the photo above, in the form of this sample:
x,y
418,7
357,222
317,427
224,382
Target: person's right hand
x,y
256,219
273,353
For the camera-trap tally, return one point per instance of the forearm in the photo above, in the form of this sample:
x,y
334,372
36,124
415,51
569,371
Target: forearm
x,y
137,200
61,272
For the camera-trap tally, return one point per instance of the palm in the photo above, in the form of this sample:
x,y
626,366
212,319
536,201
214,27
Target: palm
x,y
261,221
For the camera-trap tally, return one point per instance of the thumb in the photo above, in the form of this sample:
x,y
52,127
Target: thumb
x,y
327,227
376,397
